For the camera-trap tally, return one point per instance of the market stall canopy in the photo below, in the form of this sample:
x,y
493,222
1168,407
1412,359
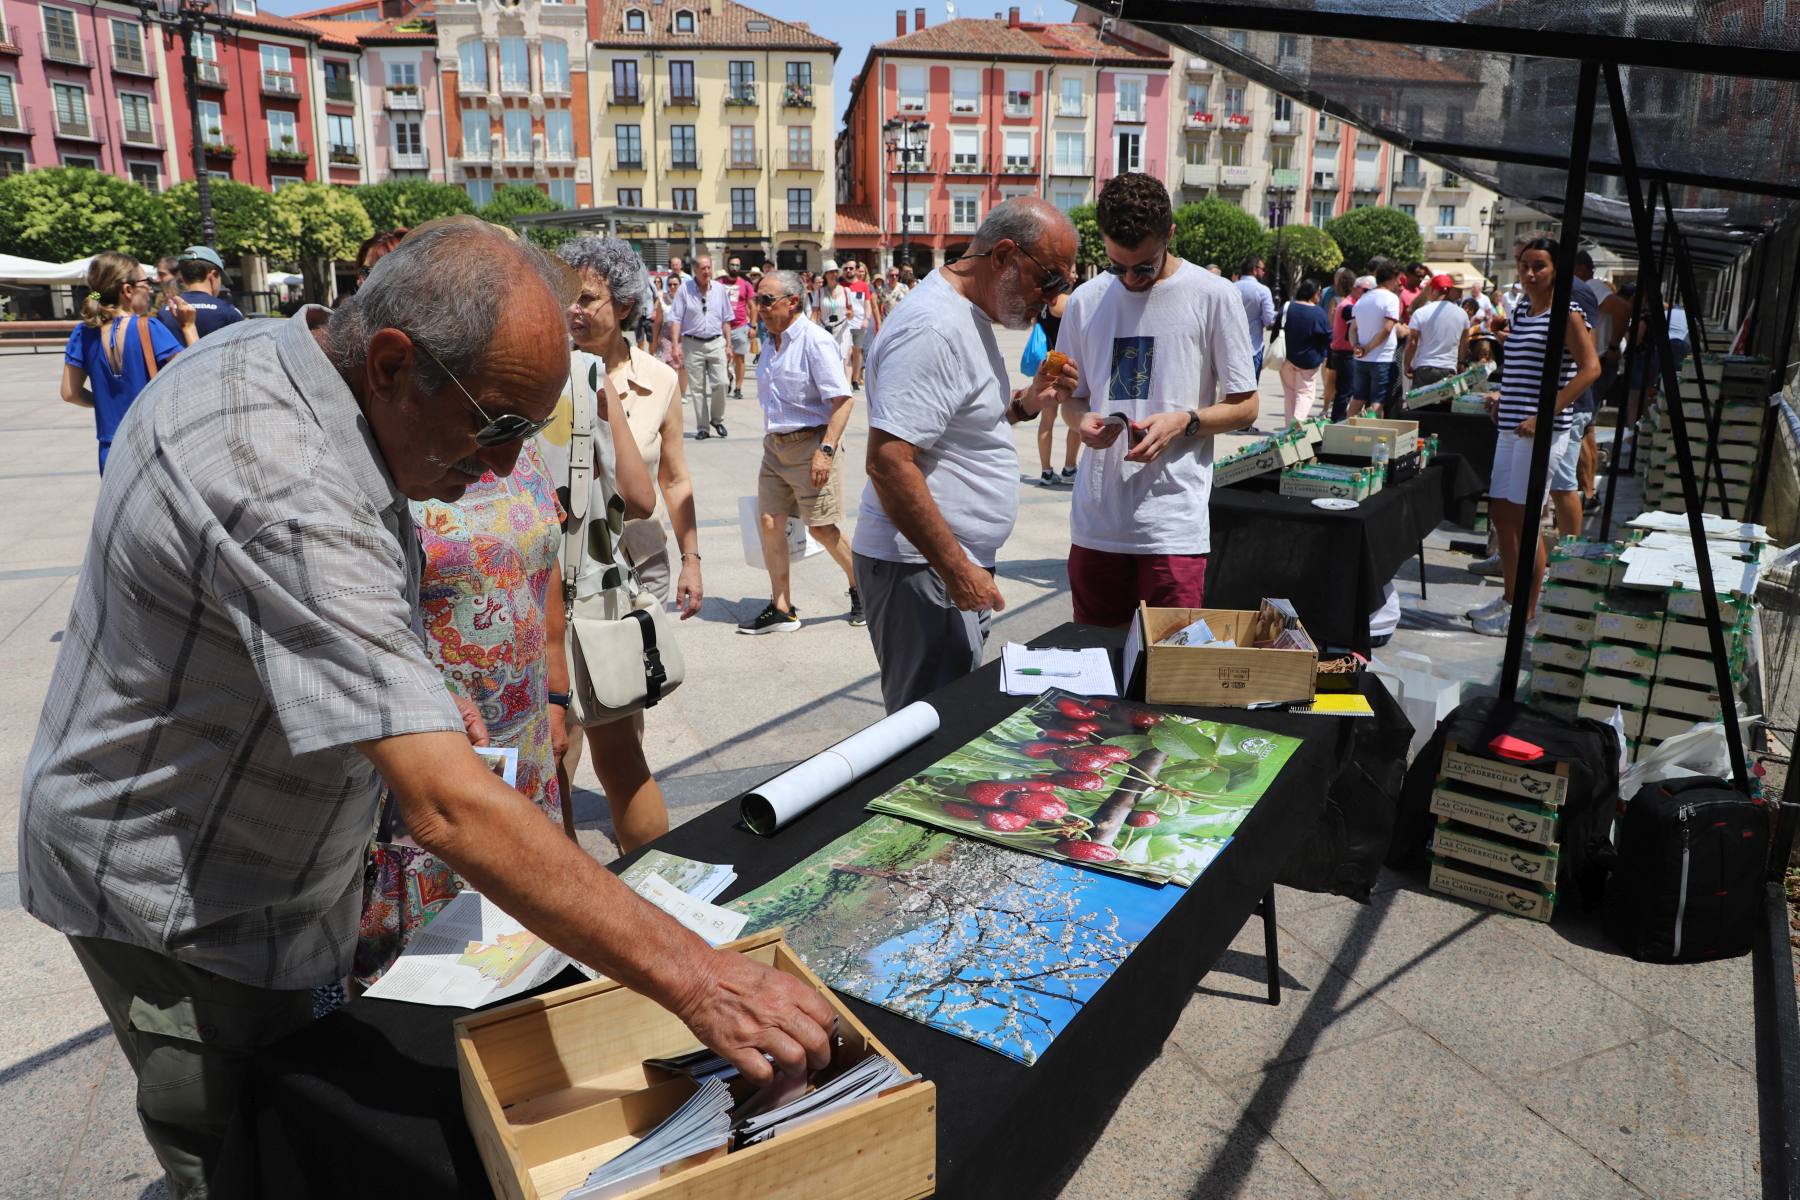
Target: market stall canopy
x,y
14,269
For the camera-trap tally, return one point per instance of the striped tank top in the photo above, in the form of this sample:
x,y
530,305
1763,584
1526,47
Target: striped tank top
x,y
1521,377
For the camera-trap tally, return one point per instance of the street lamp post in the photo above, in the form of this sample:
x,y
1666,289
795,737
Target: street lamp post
x,y
1279,208
187,18
1487,259
899,142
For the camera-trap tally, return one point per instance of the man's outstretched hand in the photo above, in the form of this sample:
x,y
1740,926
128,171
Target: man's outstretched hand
x,y
744,1010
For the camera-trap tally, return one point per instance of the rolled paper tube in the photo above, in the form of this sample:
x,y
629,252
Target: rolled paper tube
x,y
804,786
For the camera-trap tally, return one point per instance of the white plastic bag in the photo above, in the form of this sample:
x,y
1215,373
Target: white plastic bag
x,y
1425,698
1702,750
800,539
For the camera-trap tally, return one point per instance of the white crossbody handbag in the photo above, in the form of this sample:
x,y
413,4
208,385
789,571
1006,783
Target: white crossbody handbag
x,y
623,656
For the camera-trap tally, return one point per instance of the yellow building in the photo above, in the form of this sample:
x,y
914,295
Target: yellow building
x,y
714,108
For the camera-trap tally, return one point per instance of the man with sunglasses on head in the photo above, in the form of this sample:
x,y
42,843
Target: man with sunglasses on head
x,y
943,486
1155,340
243,669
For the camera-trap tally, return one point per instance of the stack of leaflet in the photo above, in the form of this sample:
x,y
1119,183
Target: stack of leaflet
x,y
702,881
700,1125
1198,633
1276,626
868,1078
700,1065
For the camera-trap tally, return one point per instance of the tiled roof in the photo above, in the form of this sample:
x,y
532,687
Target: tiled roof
x,y
718,25
1382,63
970,37
857,220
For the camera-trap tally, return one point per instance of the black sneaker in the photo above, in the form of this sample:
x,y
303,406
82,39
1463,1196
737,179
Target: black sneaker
x,y
772,620
856,609
701,434
719,428
737,393
1047,479
1068,474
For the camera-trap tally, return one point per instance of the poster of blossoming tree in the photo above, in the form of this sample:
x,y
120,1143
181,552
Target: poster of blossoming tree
x,y
967,937
1101,782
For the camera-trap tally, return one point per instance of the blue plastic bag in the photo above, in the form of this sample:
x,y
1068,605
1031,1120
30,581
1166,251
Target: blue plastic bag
x,y
1036,347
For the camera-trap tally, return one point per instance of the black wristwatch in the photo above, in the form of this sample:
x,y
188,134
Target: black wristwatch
x,y
1192,428
827,449
560,699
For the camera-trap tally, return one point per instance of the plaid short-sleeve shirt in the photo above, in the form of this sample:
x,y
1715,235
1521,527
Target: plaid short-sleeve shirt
x,y
246,613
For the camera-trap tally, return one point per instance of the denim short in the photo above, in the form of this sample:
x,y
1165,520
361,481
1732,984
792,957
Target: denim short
x,y
1562,467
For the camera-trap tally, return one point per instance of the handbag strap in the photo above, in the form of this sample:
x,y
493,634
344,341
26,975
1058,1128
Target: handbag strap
x,y
143,327
655,674
581,483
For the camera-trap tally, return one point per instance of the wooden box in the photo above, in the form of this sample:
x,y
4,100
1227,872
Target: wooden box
x,y
1536,863
1359,436
1547,680
1570,627
1696,669
1234,676
1564,596
1565,656
1637,628
1517,897
1624,658
1311,482
1508,818
1626,691
1547,785
556,1085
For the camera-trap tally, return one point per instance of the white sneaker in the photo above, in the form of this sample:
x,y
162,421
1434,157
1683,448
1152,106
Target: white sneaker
x,y
1493,623
1489,566
1492,606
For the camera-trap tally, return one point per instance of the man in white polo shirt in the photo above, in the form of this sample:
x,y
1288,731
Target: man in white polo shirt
x,y
806,405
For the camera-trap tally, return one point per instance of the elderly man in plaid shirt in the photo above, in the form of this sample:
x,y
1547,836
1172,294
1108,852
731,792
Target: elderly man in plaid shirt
x,y
243,660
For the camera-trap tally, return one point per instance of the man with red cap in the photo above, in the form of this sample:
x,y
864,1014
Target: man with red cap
x,y
1440,333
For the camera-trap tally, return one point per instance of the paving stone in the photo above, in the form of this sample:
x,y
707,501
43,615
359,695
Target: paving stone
x,y
113,1161
53,1052
39,962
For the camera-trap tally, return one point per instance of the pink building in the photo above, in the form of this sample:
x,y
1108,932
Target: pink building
x,y
400,116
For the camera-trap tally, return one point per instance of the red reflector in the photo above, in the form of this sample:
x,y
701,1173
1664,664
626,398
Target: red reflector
x,y
1509,747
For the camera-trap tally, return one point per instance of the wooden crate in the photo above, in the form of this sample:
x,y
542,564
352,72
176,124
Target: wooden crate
x,y
1536,785
1527,822
1511,896
1547,680
1570,627
1234,677
1624,658
1695,669
1563,596
1566,656
1629,691
556,1085
1640,629
1536,863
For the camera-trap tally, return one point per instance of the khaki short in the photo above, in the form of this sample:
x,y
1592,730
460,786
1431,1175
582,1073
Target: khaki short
x,y
785,482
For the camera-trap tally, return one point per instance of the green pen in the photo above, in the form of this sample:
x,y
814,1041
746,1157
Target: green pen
x,y
1042,671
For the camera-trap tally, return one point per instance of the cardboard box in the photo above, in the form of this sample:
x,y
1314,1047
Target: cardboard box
x,y
1233,677
1690,605
1700,703
1547,785
1567,656
1310,482
1567,626
1624,658
1592,570
1526,822
1570,597
1692,637
1517,897
1695,669
1616,626
1508,858
1549,681
1660,727
1240,467
1359,436
556,1085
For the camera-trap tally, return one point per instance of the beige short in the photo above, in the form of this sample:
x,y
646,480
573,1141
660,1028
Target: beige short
x,y
785,482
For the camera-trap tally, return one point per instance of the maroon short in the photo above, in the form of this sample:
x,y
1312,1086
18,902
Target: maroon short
x,y
1106,587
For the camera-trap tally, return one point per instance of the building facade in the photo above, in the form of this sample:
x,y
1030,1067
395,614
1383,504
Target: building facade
x,y
944,122
712,108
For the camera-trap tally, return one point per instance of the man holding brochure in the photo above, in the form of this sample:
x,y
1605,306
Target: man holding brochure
x,y
1155,340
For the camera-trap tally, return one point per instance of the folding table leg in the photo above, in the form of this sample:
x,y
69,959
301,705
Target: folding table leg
x,y
1271,951
1422,594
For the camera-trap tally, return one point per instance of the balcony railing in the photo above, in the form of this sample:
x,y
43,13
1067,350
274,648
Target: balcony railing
x,y
682,161
70,51
1330,132
1019,164
220,148
685,98
910,222
1284,179
404,97
16,121
1235,121
746,225
1199,175
345,156
630,160
1129,116
963,225
1367,181
408,160
965,106
516,153
130,60
140,136
81,130
557,85
1448,233
1236,176
1072,106
797,95
209,74
9,39
476,155
741,95
1454,182
801,161
515,85
279,83
1018,104
1325,180
1199,66
631,96
967,164
914,164
1410,180
806,226
1198,119
1282,127
912,104
1074,168
471,85
743,160
288,154
559,154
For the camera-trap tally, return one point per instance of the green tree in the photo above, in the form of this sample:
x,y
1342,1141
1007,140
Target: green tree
x,y
1092,250
62,213
517,199
243,216
1216,231
314,225
1365,234
1300,250
404,203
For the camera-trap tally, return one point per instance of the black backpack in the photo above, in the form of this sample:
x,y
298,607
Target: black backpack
x,y
1687,884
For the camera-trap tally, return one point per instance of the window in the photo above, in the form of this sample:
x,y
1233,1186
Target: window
x,y
1130,101
515,126
338,85
686,199
408,137
1067,198
284,133
681,82
684,153
1284,109
965,211
1197,96
205,49
277,61
1281,156
800,74
800,145
135,111
800,208
914,216
244,8
631,197
87,161
743,145
1453,121
60,39
128,44
1287,46
1411,210
515,65
210,127
340,134
1196,152
1446,214
559,135
1130,151
1321,211
556,66
1410,175
965,150
1018,150
562,190
1236,103
9,103
471,60
628,141
741,78
12,162
144,174
1414,120
625,80
743,208
1237,39
478,138
634,20
1071,153
1074,102
965,90
684,21
1018,93
481,191
912,89
1231,152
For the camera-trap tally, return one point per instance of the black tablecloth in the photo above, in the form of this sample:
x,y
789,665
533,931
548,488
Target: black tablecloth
x,y
366,1101
1471,435
1332,565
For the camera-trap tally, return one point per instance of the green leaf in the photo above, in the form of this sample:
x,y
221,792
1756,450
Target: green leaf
x,y
1137,743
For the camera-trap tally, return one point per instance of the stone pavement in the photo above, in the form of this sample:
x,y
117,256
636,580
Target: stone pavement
x,y
1422,1047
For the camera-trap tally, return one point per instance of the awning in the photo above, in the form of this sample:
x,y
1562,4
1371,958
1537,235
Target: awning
x,y
1466,274
14,269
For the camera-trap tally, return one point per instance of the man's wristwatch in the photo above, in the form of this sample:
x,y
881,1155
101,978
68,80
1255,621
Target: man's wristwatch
x,y
827,449
560,699
1192,428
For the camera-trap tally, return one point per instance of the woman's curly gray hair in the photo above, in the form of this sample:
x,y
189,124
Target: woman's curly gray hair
x,y
614,261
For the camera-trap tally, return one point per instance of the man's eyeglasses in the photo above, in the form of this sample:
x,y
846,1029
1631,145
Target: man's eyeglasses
x,y
764,299
508,427
1143,270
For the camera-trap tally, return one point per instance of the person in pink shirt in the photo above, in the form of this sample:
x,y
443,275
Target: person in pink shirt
x,y
743,329
1342,350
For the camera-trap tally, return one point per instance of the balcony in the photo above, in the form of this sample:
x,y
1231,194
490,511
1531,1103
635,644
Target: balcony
x,y
1019,164
142,138
345,156
1199,66
1072,168
16,121
471,85
9,39
68,50
515,85
797,95
742,160
1072,106
741,95
477,155
916,163
559,154
130,60
1236,176
1018,104
209,74
912,104
964,224
689,98
1199,120
746,225
1284,179
803,161
403,97
1452,233
1235,121
1325,181
967,164
1366,181
1454,182
630,160
1331,131
965,106
218,147
1283,127
519,154
408,160
913,222
1128,116
280,84
75,129
629,96
685,160
806,228
288,154
1199,175
1409,181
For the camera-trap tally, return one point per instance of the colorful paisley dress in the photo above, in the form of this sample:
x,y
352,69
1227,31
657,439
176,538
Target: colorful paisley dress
x,y
490,559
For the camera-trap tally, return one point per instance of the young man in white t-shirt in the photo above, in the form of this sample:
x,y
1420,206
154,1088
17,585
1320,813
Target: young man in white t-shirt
x,y
1155,341
1375,339
1440,334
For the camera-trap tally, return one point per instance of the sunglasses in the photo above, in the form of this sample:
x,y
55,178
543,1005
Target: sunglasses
x,y
1053,283
764,299
1143,270
508,427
